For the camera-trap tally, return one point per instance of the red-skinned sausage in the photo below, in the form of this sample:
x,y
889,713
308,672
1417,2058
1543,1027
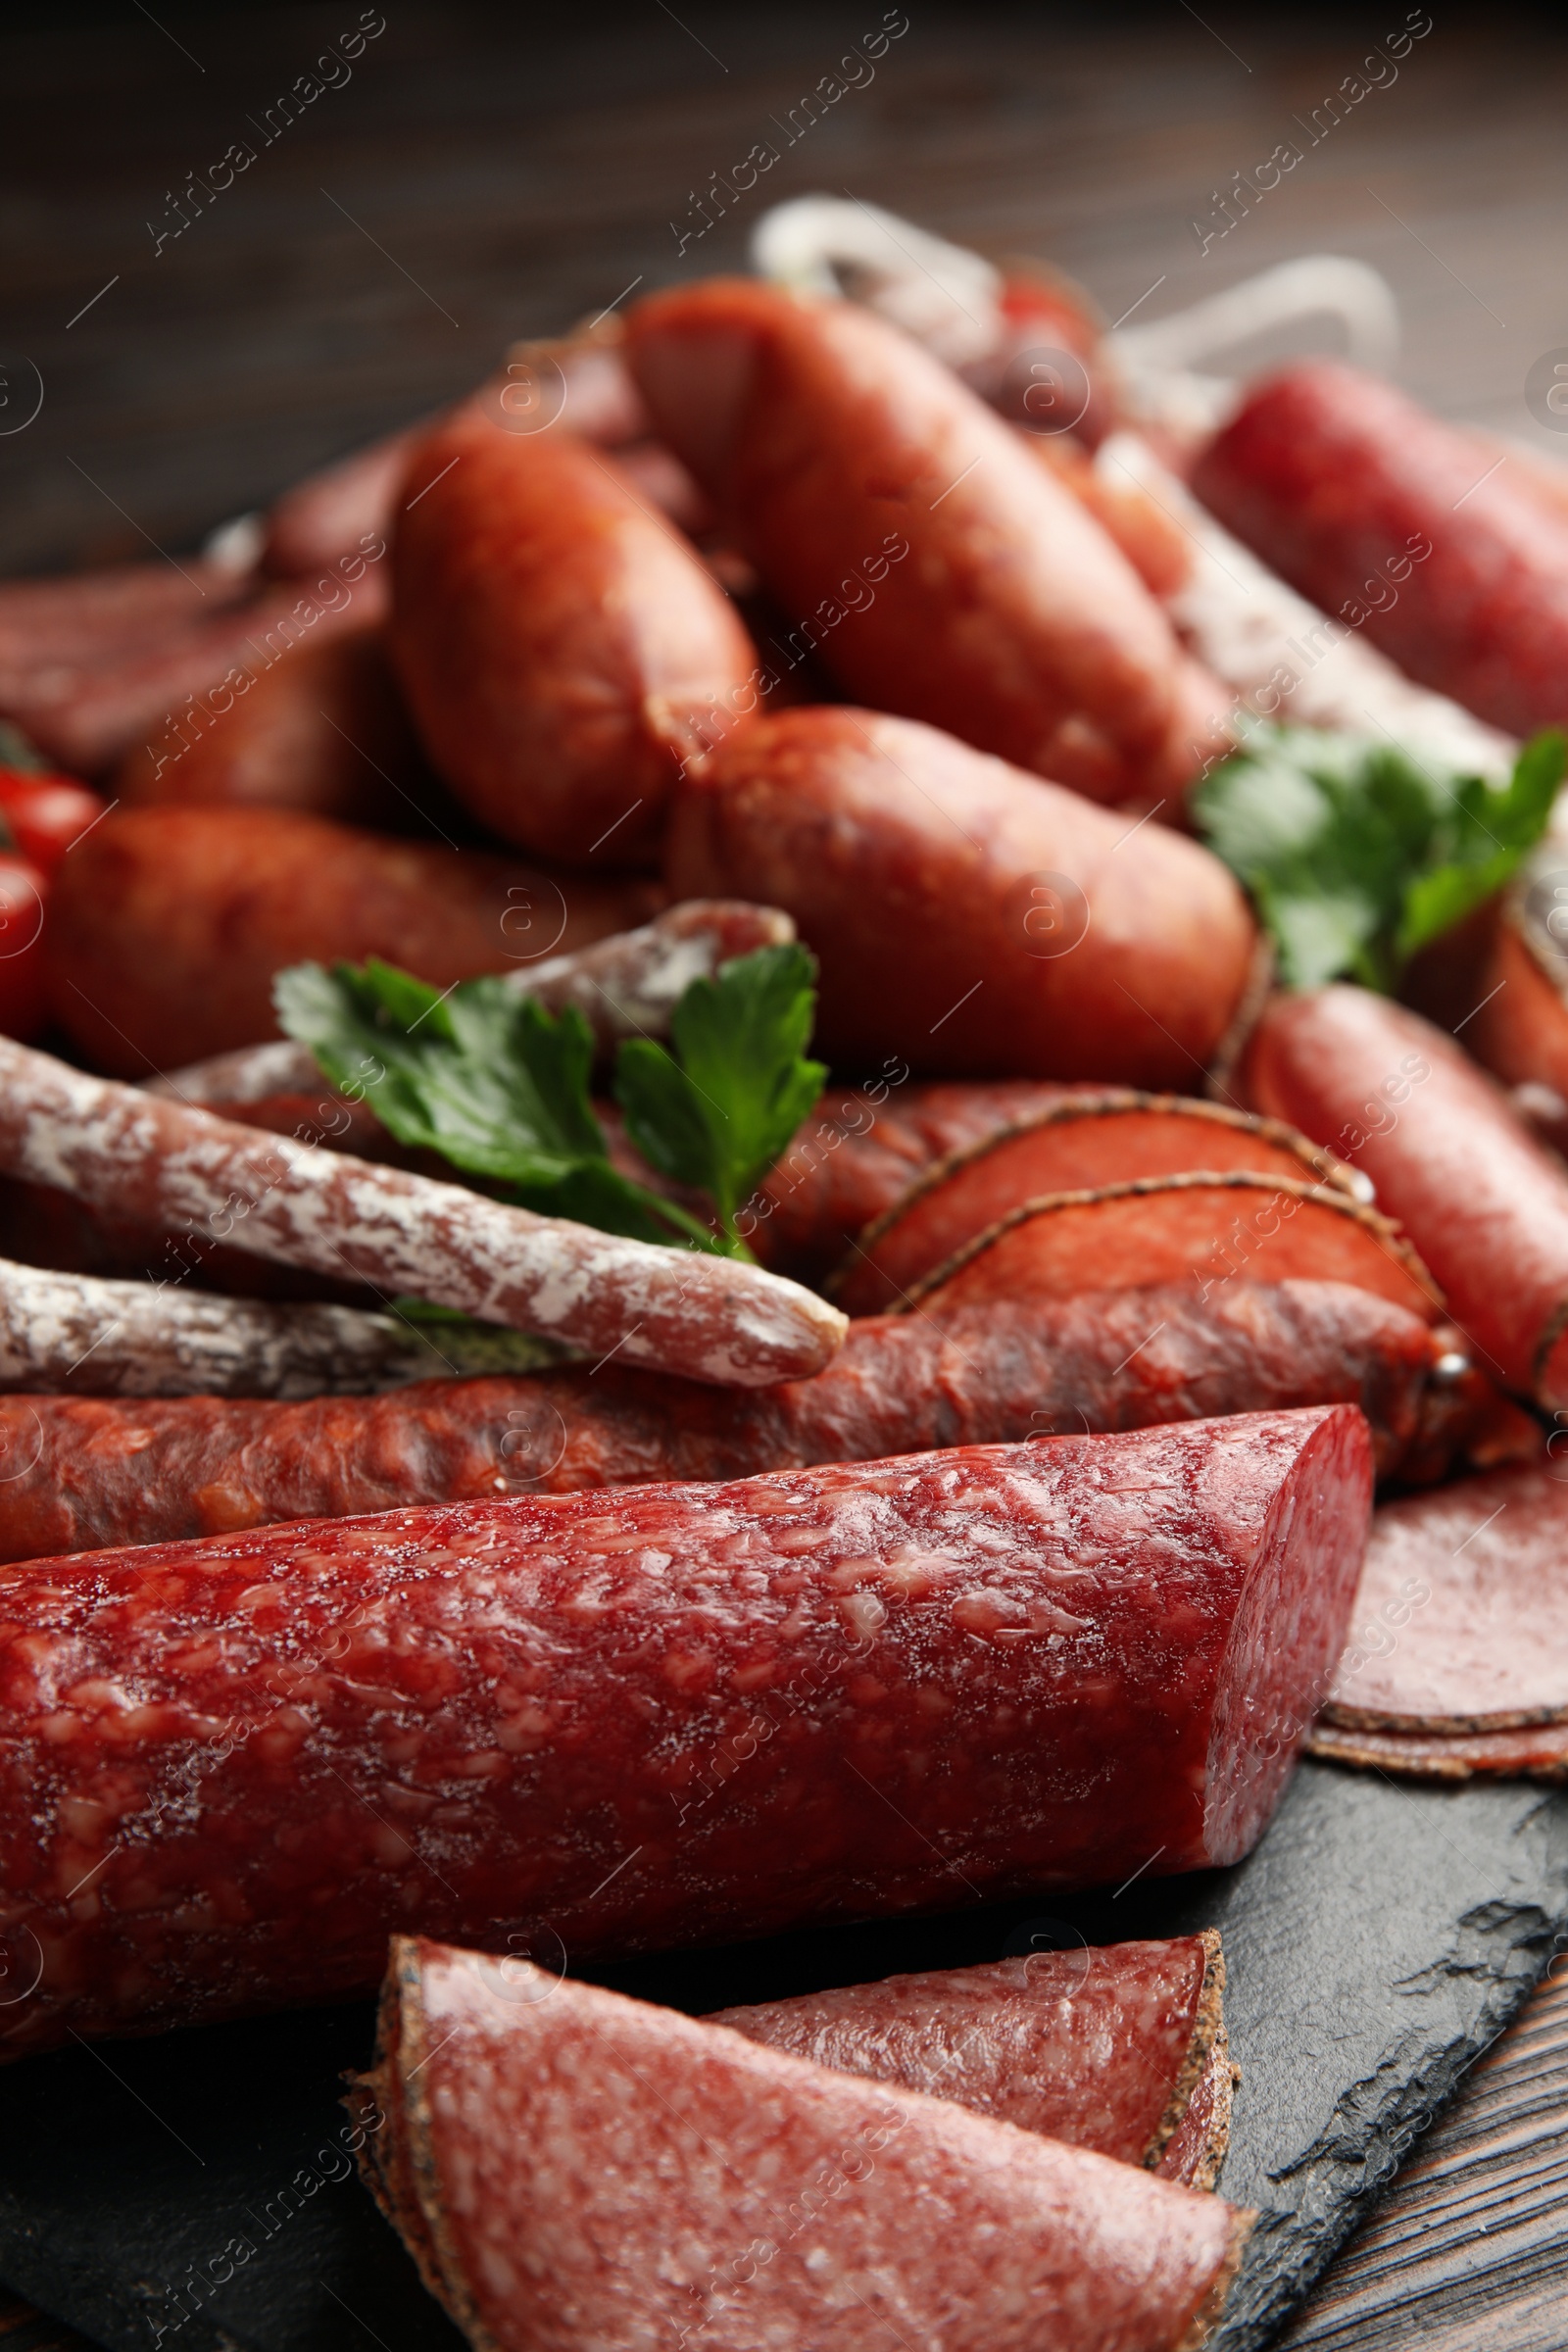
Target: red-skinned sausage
x,y
938,567
557,638
84,1472
971,919
1401,525
324,732
168,925
1484,1206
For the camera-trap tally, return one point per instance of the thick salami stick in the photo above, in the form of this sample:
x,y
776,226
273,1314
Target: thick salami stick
x,y
1104,2049
84,1472
168,926
677,1310
73,1332
937,568
570,2168
1031,935
672,1714
1396,522
1484,1206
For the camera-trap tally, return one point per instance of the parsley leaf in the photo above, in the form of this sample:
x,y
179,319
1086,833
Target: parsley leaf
x,y
1356,854
500,1088
717,1118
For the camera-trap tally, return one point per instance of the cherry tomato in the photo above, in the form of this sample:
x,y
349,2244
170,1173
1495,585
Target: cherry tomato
x,y
24,891
40,817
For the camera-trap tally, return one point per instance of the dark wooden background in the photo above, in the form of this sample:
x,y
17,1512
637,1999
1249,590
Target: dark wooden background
x,y
487,172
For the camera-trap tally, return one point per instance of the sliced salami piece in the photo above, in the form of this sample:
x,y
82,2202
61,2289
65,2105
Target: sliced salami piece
x,y
1461,1618
1104,2048
121,1149
1479,1198
572,2168
1075,1145
1209,1228
1535,1752
87,1472
668,1715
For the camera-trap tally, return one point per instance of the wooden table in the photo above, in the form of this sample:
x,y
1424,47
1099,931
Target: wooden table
x,y
474,180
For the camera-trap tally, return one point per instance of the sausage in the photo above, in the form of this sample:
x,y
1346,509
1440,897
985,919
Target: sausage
x,y
1072,1145
624,986
940,570
677,1713
1401,524
168,925
1518,1008
1282,656
1486,1206
1539,1752
81,1335
974,919
556,637
570,2167
1201,1228
88,708
83,1472
1101,2048
712,1318
584,375
325,515
1460,1622
858,1154
322,732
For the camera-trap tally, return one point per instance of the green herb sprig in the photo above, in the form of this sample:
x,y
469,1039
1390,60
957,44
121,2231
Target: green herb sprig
x,y
500,1088
1357,854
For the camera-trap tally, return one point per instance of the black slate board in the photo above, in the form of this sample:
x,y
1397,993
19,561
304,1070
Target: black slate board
x,y
1378,1939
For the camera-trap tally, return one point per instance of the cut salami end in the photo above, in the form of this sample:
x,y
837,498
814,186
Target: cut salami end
x,y
1208,1227
1461,1619
1084,1142
661,1715
1106,2047
572,2167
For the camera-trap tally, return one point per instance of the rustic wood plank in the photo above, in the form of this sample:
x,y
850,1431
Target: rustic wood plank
x,y
1468,2251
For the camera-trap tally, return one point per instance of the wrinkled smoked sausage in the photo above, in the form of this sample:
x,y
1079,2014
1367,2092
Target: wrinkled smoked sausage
x,y
973,919
1486,1206
166,925
938,567
84,1472
1403,526
557,639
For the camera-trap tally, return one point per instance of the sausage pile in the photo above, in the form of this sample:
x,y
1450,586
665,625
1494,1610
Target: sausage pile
x,y
383,1558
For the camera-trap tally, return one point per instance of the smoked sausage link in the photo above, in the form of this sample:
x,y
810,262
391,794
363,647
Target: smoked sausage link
x,y
915,541
86,1472
557,639
974,919
668,1715
1403,526
324,732
1482,1201
168,925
